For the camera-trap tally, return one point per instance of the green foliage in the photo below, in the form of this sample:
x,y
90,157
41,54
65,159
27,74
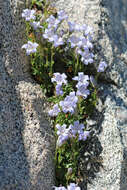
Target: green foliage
x,y
44,63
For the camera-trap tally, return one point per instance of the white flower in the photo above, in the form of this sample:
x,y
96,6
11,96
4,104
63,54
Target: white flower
x,y
30,47
28,14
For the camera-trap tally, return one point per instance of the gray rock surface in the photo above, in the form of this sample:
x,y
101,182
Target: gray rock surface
x,y
109,20
26,140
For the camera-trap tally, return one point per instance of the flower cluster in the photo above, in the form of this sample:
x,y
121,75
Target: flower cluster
x,y
82,85
72,131
69,108
72,186
51,33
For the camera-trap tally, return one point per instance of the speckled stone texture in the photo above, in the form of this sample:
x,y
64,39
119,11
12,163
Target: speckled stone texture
x,y
109,20
26,140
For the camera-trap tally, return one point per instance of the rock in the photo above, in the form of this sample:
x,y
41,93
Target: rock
x,y
109,20
26,139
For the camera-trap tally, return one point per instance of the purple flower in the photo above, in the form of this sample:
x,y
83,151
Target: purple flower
x,y
102,66
83,135
71,26
28,14
30,47
54,112
58,41
63,134
52,22
81,78
59,90
59,78
88,30
74,41
74,27
76,128
49,34
61,129
82,91
62,15
69,103
35,25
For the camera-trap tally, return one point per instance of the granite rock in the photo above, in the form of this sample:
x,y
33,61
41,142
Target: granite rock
x,y
109,20
26,140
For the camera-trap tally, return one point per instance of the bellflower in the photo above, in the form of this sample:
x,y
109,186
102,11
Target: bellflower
x,y
59,78
62,15
83,135
102,66
73,186
30,47
62,139
69,103
59,90
54,112
49,34
28,14
81,78
58,41
73,41
35,25
74,27
76,128
82,91
52,22
61,129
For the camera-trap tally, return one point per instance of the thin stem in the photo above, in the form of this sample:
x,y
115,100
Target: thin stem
x,y
77,65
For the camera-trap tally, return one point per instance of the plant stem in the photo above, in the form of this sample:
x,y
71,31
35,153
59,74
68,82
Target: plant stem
x,y
77,65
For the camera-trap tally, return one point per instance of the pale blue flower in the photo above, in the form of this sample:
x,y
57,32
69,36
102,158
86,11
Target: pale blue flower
x,y
54,112
73,186
74,27
76,128
81,78
102,66
30,47
61,129
28,14
49,34
58,41
84,135
82,91
53,22
59,78
62,15
59,90
35,25
69,103
73,41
